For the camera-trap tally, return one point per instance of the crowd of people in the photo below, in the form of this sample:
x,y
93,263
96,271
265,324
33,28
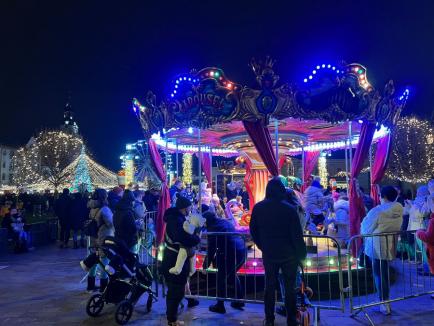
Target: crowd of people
x,y
276,226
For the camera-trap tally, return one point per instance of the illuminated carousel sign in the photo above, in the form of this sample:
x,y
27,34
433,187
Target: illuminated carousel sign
x,y
331,93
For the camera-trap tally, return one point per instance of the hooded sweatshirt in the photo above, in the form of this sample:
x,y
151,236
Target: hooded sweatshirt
x,y
383,218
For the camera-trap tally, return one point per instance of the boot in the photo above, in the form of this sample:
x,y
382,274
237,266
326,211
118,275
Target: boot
x,y
192,302
75,244
103,284
219,307
90,284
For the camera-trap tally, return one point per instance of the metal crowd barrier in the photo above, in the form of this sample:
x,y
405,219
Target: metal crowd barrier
x,y
386,278
238,276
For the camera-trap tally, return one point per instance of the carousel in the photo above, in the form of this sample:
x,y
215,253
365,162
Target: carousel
x,y
334,107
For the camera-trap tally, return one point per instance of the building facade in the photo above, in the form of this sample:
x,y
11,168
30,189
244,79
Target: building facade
x,y
6,154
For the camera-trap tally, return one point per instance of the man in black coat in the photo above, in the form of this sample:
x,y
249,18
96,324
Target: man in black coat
x,y
276,230
61,208
124,221
227,252
78,213
174,236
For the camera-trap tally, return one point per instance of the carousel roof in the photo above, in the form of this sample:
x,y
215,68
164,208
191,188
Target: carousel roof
x,y
317,111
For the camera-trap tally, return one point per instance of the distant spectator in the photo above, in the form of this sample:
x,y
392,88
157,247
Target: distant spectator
x,y
174,189
79,213
61,207
124,221
367,200
138,205
314,202
151,199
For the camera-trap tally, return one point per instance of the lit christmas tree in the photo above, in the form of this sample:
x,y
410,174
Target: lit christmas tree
x,y
42,162
82,180
412,157
85,173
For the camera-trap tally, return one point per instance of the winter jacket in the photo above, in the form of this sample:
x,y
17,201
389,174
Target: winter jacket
x,y
428,237
222,248
342,220
383,218
417,212
125,223
61,208
174,236
276,230
78,212
104,219
313,200
151,201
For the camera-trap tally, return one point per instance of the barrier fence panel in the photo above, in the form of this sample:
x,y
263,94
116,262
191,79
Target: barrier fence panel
x,y
149,252
230,268
389,267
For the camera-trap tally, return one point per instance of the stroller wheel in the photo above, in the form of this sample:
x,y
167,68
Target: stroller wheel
x,y
94,305
149,303
123,313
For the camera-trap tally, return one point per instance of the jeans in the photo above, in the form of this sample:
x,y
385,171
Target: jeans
x,y
93,270
380,269
288,274
175,294
421,247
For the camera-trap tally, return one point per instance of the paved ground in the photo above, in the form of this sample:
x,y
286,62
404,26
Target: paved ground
x,y
43,288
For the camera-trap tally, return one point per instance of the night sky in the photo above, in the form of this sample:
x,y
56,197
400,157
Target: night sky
x,y
108,52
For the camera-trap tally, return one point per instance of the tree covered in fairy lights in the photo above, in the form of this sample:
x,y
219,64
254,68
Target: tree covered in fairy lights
x,y
412,157
45,158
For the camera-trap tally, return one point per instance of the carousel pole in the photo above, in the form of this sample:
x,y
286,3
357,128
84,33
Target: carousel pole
x,y
346,163
177,159
302,165
200,171
276,135
166,152
210,163
350,135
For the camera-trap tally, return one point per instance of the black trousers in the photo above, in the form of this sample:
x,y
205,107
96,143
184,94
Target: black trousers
x,y
228,284
175,294
65,232
289,272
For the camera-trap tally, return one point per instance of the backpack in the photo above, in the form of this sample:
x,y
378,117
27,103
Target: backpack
x,y
90,228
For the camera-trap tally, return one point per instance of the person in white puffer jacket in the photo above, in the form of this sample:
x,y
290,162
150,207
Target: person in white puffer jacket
x,y
313,203
417,209
383,218
342,219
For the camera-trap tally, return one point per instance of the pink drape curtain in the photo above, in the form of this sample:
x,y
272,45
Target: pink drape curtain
x,y
206,165
310,161
164,202
379,167
261,138
282,161
357,207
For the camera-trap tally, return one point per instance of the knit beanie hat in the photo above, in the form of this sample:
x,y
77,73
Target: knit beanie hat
x,y
182,202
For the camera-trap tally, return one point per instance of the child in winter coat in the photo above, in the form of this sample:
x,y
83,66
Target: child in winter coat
x,y
192,225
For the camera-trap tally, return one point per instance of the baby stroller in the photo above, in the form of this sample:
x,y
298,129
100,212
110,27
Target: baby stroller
x,y
128,280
